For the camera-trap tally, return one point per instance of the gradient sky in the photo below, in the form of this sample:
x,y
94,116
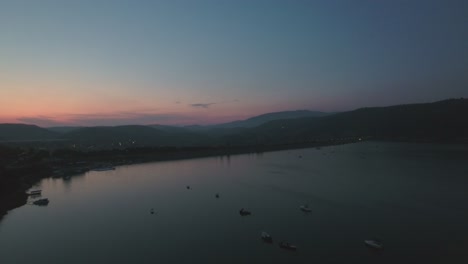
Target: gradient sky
x,y
94,62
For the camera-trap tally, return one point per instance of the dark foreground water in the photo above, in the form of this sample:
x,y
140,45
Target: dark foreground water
x,y
414,197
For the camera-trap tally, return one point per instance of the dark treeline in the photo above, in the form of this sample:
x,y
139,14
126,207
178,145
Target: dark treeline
x,y
443,121
19,170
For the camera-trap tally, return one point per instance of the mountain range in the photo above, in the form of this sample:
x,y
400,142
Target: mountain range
x,y
265,118
21,132
439,121
443,121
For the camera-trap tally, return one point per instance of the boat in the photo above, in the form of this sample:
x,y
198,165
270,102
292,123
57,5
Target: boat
x,y
44,201
244,212
288,246
305,208
374,244
35,192
266,237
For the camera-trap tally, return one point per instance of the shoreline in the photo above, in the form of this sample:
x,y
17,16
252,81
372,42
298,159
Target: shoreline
x,y
75,165
79,162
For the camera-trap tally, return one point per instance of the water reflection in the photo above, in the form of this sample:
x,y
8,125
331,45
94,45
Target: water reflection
x,y
68,180
225,160
143,213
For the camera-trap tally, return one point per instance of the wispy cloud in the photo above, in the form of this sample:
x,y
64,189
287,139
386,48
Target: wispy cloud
x,y
40,120
207,105
143,116
202,105
125,118
107,119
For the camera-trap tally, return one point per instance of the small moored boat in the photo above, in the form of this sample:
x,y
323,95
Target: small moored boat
x,y
35,192
305,208
44,201
266,237
288,246
244,212
374,244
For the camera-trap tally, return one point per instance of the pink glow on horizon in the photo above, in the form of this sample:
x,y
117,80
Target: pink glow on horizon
x,y
126,118
45,101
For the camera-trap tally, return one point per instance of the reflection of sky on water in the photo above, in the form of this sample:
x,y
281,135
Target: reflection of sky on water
x,y
396,194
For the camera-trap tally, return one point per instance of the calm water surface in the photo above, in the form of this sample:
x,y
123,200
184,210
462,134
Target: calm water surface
x,y
414,197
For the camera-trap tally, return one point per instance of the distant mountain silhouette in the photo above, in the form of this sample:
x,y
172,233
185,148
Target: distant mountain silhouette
x,y
112,134
171,129
262,119
24,132
63,129
442,121
133,136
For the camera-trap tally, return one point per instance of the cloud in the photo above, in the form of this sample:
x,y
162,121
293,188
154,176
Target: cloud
x,y
207,105
108,119
126,118
202,105
43,121
143,116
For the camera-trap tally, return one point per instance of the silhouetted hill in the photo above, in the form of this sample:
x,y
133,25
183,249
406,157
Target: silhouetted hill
x,y
132,136
214,133
262,119
441,121
63,129
171,129
23,132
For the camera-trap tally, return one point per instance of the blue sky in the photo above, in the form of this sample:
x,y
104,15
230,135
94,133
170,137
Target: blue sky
x,y
185,62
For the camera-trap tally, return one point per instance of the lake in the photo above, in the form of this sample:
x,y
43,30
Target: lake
x,y
414,197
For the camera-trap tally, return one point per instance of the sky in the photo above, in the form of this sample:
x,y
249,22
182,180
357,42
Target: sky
x,y
114,62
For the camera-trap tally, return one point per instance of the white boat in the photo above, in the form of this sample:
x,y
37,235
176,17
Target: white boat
x,y
305,208
266,237
287,246
374,244
35,192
